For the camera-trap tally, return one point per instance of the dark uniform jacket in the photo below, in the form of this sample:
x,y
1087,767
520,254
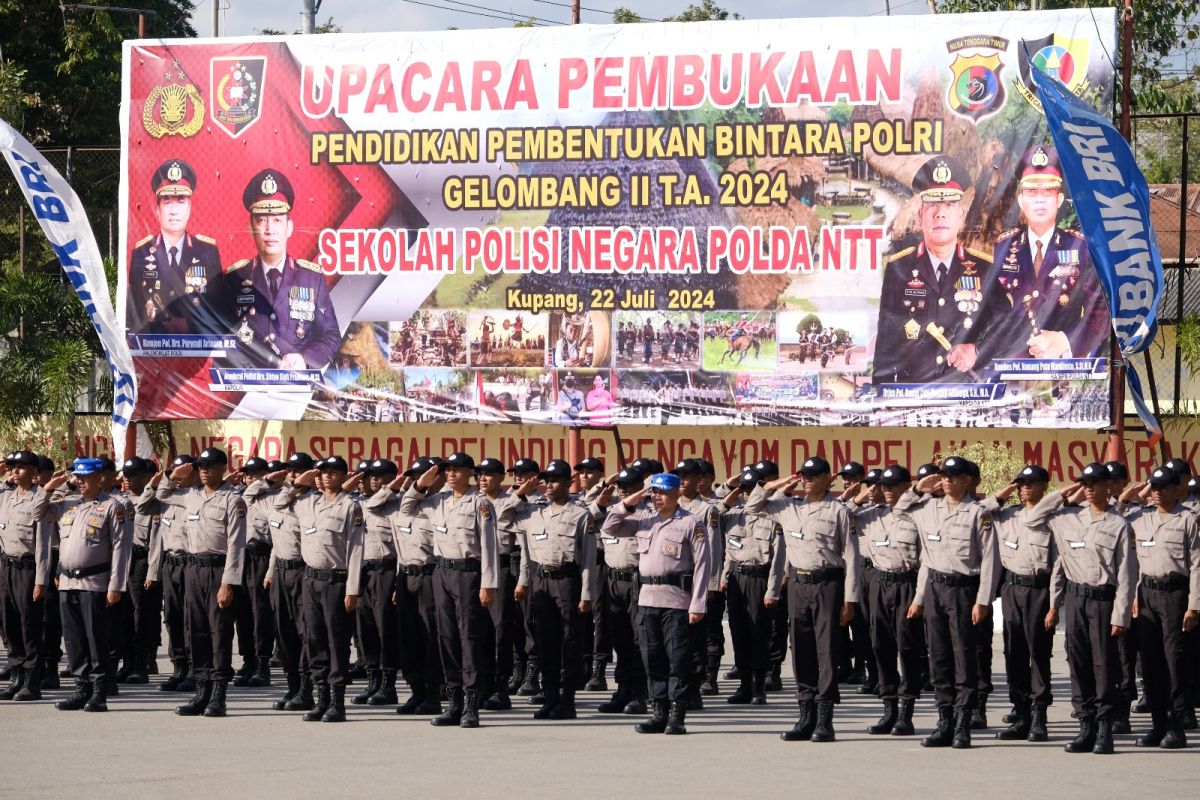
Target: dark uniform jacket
x,y
166,300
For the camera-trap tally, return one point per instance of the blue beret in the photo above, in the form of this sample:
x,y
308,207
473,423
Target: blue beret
x,y
665,481
87,466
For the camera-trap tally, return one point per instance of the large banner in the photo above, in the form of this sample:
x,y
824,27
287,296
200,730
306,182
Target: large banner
x,y
851,222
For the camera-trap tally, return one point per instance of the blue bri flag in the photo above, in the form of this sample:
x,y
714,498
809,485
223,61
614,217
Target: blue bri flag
x,y
1113,204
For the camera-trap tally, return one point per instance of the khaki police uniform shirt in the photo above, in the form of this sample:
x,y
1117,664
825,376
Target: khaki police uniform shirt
x,y
379,536
412,534
619,552
553,534
955,539
749,539
331,534
816,535
260,503
1093,549
889,538
216,524
285,528
91,533
507,506
703,509
1025,549
676,544
21,531
168,533
463,527
1168,544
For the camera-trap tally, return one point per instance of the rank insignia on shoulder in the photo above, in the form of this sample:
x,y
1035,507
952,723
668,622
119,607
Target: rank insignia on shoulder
x,y
206,239
145,241
239,264
303,264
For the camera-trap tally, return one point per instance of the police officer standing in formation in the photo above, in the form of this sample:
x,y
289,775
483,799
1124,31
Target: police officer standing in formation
x,y
750,544
1028,555
331,546
280,306
24,574
1168,605
172,273
93,571
589,480
819,556
52,652
139,620
1093,584
507,616
955,587
558,572
167,566
216,531
377,617
621,596
709,648
858,663
255,620
465,581
674,567
890,540
285,581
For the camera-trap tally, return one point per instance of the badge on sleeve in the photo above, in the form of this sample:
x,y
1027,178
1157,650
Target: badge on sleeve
x,y
485,510
357,516
700,532
240,507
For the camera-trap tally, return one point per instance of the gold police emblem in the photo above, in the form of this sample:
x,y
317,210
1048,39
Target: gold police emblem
x,y
174,172
941,173
173,110
1039,159
269,187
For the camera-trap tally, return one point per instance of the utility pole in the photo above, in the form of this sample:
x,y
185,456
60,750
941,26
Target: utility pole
x,y
141,13
216,17
574,12
308,16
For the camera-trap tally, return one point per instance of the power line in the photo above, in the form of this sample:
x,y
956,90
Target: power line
x,y
508,18
501,11
609,12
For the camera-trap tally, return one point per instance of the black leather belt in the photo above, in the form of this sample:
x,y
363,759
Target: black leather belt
x,y
289,563
954,579
896,576
414,570
85,572
1165,583
628,575
1088,592
751,570
217,560
141,552
681,579
372,564
330,575
818,575
556,572
176,559
20,562
1038,581
460,564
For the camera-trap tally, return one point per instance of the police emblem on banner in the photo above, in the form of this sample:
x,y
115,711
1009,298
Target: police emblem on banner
x,y
976,88
175,108
1062,58
236,86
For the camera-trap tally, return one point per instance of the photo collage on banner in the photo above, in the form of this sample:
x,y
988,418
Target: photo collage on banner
x,y
731,223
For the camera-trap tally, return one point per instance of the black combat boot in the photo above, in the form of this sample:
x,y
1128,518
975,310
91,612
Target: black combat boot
x,y
891,713
532,684
565,708
962,728
1019,729
823,732
431,703
758,689
1142,706
293,684
597,682
871,684
262,673
518,675
374,681
83,693
470,715
1175,738
417,696
979,719
616,704
709,685
657,723
676,719
775,682
807,721
1011,716
6,673
1086,739
1104,740
693,699
1037,724
904,723
385,695
98,702
303,701
32,690
137,674
15,683
454,710
337,705
1120,720
500,701
242,678
734,674
553,695
188,684
638,704
216,703
1158,730
126,668
324,699
943,734
195,707
744,693
50,678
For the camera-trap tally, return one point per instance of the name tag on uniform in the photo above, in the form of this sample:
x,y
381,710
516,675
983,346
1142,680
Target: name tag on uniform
x,y
1010,545
193,517
1077,545
541,536
404,529
934,537
884,543
1146,542
311,530
276,523
796,534
166,522
611,539
736,544
442,529
3,526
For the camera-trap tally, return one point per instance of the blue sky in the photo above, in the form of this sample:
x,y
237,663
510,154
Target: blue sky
x,y
246,17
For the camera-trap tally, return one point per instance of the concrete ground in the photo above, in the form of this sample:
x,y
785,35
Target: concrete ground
x,y
140,749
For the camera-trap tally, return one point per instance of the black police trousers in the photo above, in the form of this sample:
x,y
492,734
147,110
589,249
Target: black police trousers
x,y
23,618
1092,656
286,591
508,629
1027,658
86,622
1161,639
749,624
953,656
856,637
255,620
601,638
52,635
895,637
815,610
465,632
561,631
377,618
139,616
781,627
174,583
209,627
420,656
327,626
667,652
621,619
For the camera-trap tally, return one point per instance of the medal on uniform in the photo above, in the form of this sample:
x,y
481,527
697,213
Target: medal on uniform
x,y
300,330
245,334
912,329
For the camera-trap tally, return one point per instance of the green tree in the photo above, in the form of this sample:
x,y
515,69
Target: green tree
x,y
707,10
525,23
624,16
328,26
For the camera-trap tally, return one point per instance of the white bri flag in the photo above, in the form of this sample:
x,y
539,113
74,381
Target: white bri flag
x,y
65,224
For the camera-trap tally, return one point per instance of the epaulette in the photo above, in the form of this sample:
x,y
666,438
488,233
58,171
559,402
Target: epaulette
x,y
239,264
901,254
300,262
1073,232
980,254
1008,233
206,239
145,241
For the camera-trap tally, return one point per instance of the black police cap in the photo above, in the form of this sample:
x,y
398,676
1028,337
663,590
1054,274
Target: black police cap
x,y
21,458
382,466
490,466
1163,477
894,475
363,466
707,468
107,464
525,466
334,463
180,460
47,465
556,470
269,192
852,469
590,465
138,466
688,466
873,477
460,461
955,465
1094,473
750,478
767,468
256,464
814,466
941,178
1033,473
1180,467
301,461
174,178
648,466
1117,470
211,457
925,470
629,477
276,465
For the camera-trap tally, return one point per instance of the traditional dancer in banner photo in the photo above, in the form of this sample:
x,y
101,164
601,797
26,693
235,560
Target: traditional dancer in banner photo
x,y
172,272
934,314
1056,307
279,305
24,574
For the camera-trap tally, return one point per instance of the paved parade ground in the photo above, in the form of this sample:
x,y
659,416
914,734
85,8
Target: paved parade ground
x,y
140,749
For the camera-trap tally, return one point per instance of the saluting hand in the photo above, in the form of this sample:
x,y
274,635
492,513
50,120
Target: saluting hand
x,y
928,483
632,500
527,487
308,478
400,484
604,499
182,472
1007,492
353,482
428,478
56,481
277,475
